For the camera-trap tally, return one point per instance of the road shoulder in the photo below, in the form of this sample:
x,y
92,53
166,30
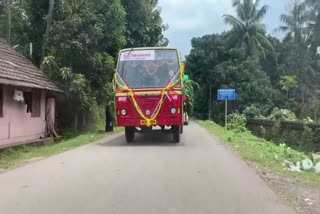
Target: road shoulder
x,y
304,197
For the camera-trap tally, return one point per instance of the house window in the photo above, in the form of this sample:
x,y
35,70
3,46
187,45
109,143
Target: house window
x,y
1,101
36,103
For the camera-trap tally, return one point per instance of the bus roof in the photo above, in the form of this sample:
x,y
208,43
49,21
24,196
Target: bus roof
x,y
153,48
149,48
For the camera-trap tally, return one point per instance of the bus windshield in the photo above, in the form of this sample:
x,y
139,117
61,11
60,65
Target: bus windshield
x,y
149,68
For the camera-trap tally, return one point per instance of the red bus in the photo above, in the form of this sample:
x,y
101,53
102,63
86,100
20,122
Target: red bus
x,y
149,91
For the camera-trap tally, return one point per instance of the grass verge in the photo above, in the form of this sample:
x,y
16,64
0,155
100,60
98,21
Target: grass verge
x,y
264,152
17,156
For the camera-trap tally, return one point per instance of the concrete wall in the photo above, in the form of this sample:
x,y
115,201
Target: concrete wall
x,y
17,125
294,134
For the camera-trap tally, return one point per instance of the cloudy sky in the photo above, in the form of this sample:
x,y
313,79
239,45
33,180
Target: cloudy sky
x,y
194,18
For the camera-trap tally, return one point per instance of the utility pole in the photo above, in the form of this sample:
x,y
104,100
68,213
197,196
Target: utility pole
x,y
210,99
226,114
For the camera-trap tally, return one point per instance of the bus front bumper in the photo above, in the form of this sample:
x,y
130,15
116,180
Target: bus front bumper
x,y
136,122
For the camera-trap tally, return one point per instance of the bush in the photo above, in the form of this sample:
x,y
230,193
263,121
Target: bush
x,y
252,112
237,122
282,115
307,140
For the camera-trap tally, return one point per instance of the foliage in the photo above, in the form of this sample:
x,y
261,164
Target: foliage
x,y
247,31
85,36
258,150
82,45
189,86
201,102
237,122
28,26
218,61
298,55
2,20
282,115
314,106
287,83
251,83
252,112
308,140
144,24
79,48
313,13
210,63
294,22
207,52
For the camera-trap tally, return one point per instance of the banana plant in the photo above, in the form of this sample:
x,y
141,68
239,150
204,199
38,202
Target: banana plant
x,y
189,89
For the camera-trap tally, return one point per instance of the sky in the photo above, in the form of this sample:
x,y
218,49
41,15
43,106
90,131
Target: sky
x,y
196,18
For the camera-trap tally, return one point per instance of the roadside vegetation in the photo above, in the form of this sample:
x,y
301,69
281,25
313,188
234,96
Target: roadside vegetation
x,y
17,156
265,71
269,154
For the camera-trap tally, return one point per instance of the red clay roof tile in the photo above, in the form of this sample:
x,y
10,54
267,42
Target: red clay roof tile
x,y
15,69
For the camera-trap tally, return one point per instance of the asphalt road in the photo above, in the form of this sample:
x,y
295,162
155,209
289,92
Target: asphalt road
x,y
151,176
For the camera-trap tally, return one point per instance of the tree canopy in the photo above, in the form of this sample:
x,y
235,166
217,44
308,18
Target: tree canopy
x,y
77,42
247,30
265,71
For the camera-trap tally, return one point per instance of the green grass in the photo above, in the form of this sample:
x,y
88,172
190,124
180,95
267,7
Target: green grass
x,y
17,156
264,152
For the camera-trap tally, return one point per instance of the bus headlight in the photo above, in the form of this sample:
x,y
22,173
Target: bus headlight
x,y
173,110
123,112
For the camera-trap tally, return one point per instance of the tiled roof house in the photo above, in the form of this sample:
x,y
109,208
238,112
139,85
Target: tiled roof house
x,y
26,109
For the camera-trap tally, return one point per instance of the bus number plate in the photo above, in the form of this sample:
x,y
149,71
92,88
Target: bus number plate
x,y
144,122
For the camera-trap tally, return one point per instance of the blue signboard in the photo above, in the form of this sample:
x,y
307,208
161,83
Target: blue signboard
x,y
226,94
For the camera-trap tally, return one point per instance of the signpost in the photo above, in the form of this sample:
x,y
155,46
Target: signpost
x,y
226,94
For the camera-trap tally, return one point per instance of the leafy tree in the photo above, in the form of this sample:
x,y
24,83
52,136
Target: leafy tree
x,y
298,58
287,83
5,19
84,40
247,31
272,63
144,25
29,26
211,62
314,106
207,52
2,19
77,41
251,83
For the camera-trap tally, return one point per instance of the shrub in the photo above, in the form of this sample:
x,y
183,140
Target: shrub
x,y
282,115
252,112
237,122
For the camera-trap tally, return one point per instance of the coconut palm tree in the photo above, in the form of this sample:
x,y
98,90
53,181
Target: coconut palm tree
x,y
247,30
313,7
295,23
